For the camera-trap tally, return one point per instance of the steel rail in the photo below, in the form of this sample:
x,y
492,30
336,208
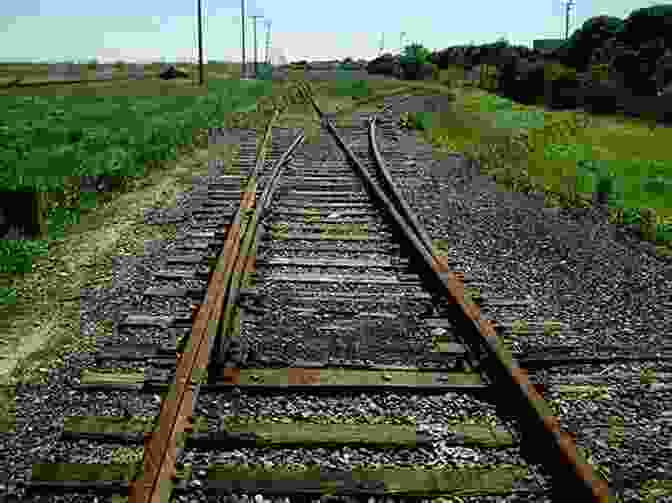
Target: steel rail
x,y
502,368
539,427
245,260
177,408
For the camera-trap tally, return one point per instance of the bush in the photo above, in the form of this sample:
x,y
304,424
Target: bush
x,y
416,120
488,77
530,83
562,85
603,97
429,71
412,61
577,50
599,72
646,24
386,64
264,71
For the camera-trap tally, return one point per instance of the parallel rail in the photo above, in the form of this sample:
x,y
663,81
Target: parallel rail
x,y
520,399
213,332
214,317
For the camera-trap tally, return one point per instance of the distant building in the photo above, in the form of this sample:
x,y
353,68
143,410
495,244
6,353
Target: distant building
x,y
277,57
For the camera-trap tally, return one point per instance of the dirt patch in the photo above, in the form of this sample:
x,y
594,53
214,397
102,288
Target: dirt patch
x,y
44,322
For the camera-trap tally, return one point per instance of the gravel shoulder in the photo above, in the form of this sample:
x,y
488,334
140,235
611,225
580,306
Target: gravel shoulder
x,y
579,272
112,264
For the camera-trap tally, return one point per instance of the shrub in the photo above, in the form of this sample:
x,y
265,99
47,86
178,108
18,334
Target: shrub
x,y
603,97
413,59
647,23
577,50
415,120
501,43
531,82
386,64
488,78
429,71
599,72
264,71
562,86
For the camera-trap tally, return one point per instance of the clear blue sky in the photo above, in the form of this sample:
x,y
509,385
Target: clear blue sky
x,y
57,30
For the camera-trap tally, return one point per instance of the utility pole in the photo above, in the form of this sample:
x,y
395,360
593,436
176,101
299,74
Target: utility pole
x,y
200,46
268,41
242,26
567,7
254,20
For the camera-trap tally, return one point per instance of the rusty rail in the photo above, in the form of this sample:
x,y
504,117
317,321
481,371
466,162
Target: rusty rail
x,y
245,260
538,426
565,463
160,447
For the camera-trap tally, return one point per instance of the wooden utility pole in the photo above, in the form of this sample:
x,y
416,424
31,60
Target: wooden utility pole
x,y
254,20
567,7
242,25
200,46
268,41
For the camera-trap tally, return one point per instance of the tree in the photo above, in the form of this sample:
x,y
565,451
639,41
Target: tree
x,y
647,23
415,56
577,50
415,53
501,43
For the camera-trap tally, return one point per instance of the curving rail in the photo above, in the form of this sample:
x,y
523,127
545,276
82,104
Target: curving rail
x,y
213,330
539,427
212,319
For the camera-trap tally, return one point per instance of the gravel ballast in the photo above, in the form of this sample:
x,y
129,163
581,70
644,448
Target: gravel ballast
x,y
508,242
577,271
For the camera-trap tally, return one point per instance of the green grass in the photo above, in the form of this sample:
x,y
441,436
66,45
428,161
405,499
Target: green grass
x,y
47,142
568,155
44,139
17,256
347,86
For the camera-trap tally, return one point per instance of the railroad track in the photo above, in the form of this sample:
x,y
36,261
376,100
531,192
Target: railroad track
x,y
326,312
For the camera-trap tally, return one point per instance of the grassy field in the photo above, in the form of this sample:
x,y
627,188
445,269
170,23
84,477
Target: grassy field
x,y
121,130
36,73
567,155
52,135
154,130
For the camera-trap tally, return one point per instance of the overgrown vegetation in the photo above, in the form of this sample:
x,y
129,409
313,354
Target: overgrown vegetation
x,y
526,148
569,156
115,136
